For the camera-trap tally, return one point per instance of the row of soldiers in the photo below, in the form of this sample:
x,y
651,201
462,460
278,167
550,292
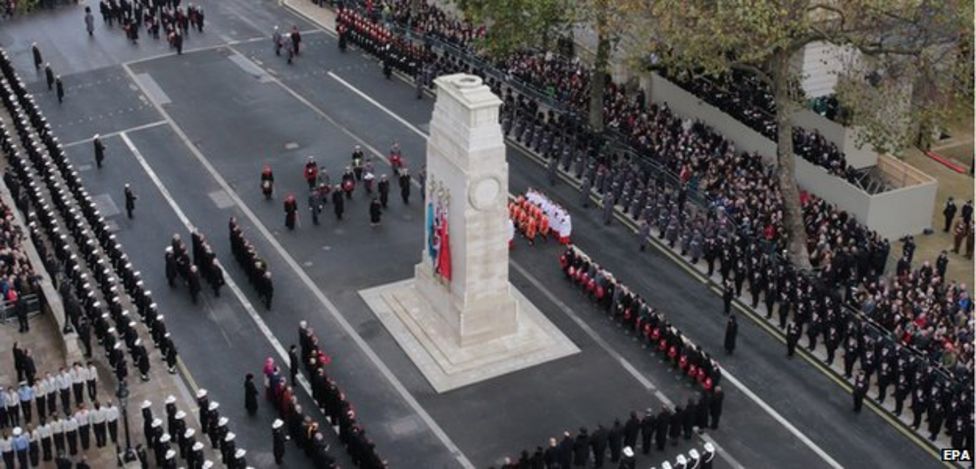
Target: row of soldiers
x,y
179,440
338,410
80,295
620,441
203,265
254,266
152,14
395,51
628,308
81,291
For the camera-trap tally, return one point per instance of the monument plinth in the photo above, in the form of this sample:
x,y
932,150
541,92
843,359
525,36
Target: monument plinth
x,y
459,319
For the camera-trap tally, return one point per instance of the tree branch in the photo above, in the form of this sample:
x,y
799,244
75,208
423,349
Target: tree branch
x,y
759,73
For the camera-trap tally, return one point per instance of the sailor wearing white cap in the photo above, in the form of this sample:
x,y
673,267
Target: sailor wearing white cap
x,y
708,456
239,461
278,440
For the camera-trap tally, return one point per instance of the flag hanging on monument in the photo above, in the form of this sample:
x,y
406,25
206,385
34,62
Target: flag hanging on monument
x,y
431,247
444,254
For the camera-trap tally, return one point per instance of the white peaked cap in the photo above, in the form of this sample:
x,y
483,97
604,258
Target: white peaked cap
x,y
628,452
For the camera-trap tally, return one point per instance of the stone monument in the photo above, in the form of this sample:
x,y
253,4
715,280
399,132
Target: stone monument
x,y
459,319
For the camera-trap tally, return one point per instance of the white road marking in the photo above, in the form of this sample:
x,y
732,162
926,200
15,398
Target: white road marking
x,y
378,105
762,404
304,277
112,134
782,420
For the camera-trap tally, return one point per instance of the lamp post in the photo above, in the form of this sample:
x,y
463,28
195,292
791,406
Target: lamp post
x,y
122,393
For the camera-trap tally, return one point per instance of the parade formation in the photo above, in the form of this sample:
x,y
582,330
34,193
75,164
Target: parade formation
x,y
656,246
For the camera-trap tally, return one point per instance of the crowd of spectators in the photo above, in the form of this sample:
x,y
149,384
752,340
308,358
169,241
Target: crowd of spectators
x,y
17,276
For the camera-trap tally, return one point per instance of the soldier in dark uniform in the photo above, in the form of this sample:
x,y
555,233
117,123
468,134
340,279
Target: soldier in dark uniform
x,y
598,445
885,377
278,440
647,425
902,390
384,190
615,440
727,295
49,74
141,358
661,432
405,186
130,200
37,56
832,340
716,406
731,332
59,88
860,390
215,277
581,448
193,283
267,289
338,203
674,425
99,150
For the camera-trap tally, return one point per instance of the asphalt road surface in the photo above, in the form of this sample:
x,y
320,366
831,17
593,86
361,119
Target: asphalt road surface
x,y
191,133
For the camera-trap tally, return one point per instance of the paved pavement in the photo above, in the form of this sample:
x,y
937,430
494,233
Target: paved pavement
x,y
204,123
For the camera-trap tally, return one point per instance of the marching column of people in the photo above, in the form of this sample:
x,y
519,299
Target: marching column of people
x,y
256,268
173,439
202,267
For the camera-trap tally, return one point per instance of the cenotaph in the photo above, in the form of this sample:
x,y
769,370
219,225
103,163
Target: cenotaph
x,y
459,318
